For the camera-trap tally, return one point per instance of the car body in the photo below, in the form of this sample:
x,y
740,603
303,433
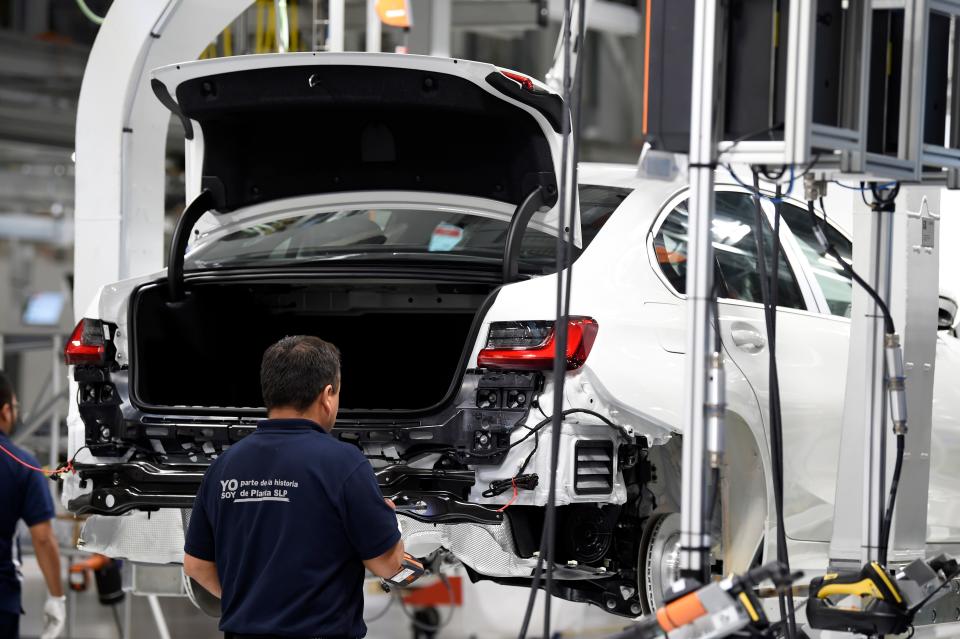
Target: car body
x,y
447,353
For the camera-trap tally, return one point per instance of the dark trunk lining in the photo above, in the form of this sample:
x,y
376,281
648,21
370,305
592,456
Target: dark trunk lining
x,y
401,344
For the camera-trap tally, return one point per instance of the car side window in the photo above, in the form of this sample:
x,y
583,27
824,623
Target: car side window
x,y
834,282
735,251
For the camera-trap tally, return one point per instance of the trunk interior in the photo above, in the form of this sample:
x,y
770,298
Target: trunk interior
x,y
401,342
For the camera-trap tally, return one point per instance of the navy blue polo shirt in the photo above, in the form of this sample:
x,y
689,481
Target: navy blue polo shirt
x,y
24,494
288,513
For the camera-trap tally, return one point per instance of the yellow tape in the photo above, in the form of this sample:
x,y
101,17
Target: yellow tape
x,y
745,600
883,575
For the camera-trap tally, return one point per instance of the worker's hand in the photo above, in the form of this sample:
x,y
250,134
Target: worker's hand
x,y
390,503
54,616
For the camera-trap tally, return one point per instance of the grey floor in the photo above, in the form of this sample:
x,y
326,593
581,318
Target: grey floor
x,y
489,611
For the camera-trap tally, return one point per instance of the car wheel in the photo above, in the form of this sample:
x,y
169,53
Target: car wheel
x,y
659,560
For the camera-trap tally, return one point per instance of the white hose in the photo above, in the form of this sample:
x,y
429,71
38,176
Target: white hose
x,y
91,16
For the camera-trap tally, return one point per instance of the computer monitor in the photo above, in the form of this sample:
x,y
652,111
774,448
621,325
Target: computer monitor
x,y
43,308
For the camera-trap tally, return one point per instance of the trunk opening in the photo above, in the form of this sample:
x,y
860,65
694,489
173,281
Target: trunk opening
x,y
401,342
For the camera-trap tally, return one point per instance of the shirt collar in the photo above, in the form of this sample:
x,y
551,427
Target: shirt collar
x,y
289,424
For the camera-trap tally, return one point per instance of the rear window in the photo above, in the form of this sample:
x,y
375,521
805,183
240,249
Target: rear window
x,y
387,230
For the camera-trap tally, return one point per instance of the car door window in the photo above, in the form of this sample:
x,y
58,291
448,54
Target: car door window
x,y
833,280
735,251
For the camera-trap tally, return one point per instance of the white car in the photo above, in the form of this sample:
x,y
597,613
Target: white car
x,y
380,202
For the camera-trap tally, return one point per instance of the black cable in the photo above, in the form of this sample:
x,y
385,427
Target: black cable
x,y
891,500
564,269
768,286
890,328
830,249
534,586
531,431
775,396
948,579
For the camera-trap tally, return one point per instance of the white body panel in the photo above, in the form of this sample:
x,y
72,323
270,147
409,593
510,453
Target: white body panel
x,y
633,373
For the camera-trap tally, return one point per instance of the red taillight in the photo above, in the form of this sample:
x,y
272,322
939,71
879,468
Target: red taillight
x,y
86,344
529,346
524,81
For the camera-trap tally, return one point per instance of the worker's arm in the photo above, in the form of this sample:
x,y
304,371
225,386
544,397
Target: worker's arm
x,y
204,573
199,548
387,564
48,556
371,523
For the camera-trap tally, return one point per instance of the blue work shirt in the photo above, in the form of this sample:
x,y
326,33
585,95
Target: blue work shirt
x,y
24,494
288,514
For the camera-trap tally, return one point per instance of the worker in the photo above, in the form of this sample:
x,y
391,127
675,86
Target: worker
x,y
25,494
286,519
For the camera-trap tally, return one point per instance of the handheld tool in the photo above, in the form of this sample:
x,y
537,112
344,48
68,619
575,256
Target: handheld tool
x,y
410,571
876,601
718,609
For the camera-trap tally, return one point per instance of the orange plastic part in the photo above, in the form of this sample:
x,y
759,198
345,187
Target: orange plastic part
x,y
436,594
680,612
395,13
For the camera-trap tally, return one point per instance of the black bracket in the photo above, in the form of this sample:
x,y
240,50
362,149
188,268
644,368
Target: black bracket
x,y
542,196
203,203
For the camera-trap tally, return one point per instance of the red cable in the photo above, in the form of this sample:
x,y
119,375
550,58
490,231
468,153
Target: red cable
x,y
68,467
516,492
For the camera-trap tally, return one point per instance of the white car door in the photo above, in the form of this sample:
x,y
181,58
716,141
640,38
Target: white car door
x,y
811,349
833,289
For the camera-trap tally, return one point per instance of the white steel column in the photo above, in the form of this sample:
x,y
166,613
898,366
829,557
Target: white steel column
x,y
282,25
693,537
120,146
337,25
121,135
915,308
56,390
373,27
440,25
861,477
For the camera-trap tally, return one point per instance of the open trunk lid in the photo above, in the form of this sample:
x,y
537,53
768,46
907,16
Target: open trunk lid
x,y
268,127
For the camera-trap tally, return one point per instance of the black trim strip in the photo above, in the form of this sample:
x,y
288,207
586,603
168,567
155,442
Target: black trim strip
x,y
549,105
178,245
160,90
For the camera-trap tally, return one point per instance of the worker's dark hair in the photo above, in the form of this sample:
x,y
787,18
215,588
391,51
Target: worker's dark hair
x,y
296,369
6,390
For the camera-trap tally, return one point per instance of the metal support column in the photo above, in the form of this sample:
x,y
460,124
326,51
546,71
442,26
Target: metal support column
x,y
915,308
71,621
56,390
694,539
162,631
338,22
861,477
282,26
440,26
374,35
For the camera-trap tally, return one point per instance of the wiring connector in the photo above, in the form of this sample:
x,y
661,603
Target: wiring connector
x,y
895,383
715,409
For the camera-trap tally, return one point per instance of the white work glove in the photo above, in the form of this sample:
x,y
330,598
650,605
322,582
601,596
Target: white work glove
x,y
54,616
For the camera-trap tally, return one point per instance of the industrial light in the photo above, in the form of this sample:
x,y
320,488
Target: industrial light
x,y
529,345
